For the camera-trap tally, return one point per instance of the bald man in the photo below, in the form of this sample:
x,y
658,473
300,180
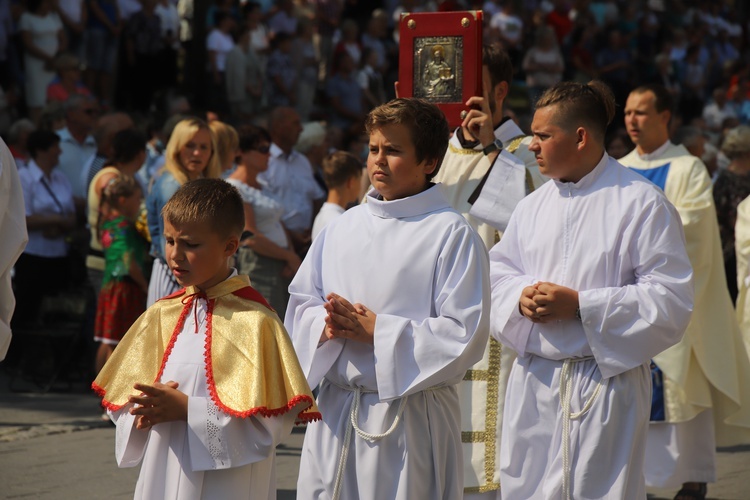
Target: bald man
x,y
290,177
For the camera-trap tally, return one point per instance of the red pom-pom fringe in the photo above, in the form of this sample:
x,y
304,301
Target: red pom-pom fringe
x,y
260,410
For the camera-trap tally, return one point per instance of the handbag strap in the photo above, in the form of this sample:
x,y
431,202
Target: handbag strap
x,y
52,194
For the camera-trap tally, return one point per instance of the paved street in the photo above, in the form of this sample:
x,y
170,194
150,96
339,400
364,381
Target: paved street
x,y
53,446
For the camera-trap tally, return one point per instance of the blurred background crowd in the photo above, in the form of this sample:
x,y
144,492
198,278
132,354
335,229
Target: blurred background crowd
x,y
91,85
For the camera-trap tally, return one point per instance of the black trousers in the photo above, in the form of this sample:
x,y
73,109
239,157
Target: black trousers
x,y
35,278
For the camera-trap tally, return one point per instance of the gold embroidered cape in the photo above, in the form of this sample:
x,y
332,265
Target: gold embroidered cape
x,y
251,366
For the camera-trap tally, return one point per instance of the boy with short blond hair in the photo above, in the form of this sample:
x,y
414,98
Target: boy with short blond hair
x,y
342,172
205,383
386,313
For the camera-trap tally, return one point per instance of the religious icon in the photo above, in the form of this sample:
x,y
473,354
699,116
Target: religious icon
x,y
440,59
438,76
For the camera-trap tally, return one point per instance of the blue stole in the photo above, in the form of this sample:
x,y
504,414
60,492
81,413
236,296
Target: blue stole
x,y
658,176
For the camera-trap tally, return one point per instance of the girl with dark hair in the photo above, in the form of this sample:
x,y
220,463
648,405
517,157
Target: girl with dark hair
x,y
123,295
266,253
129,153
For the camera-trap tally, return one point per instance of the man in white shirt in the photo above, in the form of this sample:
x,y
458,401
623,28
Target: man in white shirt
x,y
701,385
219,44
76,142
290,177
589,281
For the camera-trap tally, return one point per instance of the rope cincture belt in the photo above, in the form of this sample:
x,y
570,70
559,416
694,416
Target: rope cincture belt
x,y
566,390
352,424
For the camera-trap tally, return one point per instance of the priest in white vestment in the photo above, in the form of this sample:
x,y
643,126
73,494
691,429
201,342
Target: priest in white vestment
x,y
14,237
590,280
387,312
742,250
483,177
702,385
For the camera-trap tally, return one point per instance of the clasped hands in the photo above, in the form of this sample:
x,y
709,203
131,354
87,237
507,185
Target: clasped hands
x,y
546,302
347,321
158,403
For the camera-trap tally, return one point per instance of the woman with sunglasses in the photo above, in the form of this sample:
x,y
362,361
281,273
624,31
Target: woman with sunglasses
x,y
265,253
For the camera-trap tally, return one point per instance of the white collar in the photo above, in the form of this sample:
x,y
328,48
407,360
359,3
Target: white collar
x,y
655,154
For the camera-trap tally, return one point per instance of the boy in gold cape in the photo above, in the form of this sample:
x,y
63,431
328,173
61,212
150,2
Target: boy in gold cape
x,y
206,383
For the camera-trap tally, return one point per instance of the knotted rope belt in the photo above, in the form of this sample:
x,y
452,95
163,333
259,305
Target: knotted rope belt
x,y
353,425
566,394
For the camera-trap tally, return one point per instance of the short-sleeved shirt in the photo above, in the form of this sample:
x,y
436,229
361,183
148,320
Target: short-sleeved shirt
x,y
74,157
349,93
327,213
46,196
165,185
221,43
268,211
43,30
290,179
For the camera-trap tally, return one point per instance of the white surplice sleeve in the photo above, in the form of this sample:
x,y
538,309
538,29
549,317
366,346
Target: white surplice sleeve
x,y
411,355
626,326
507,279
305,317
130,443
215,439
220,441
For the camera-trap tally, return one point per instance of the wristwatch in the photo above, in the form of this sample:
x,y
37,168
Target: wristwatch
x,y
496,145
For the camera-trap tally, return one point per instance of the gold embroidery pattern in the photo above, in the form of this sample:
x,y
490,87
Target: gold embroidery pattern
x,y
489,435
514,144
462,151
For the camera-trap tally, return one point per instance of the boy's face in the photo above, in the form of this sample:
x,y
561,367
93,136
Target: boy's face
x,y
197,255
555,148
392,163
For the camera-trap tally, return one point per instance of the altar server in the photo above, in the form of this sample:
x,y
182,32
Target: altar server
x,y
387,312
590,280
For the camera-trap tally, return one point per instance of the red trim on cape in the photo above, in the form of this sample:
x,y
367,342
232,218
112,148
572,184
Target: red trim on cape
x,y
180,322
105,404
173,339
247,293
258,410
251,293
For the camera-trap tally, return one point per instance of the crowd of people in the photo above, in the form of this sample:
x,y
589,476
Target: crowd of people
x,y
296,101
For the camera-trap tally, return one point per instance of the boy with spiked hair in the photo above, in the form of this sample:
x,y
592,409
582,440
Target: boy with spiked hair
x,y
590,281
